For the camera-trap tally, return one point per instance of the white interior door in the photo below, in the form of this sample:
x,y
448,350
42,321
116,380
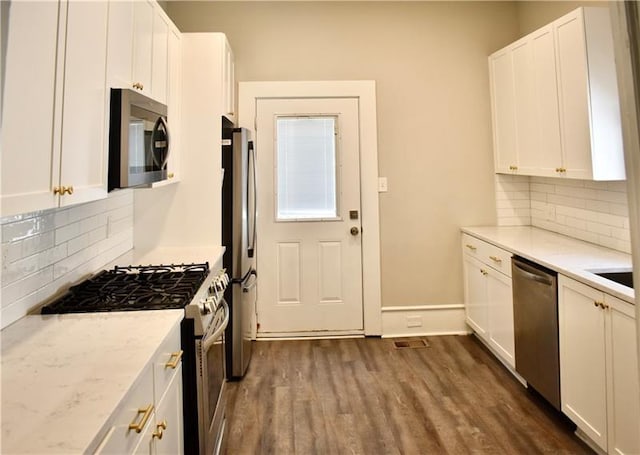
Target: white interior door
x,y
309,228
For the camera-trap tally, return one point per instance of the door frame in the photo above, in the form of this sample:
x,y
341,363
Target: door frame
x,y
365,93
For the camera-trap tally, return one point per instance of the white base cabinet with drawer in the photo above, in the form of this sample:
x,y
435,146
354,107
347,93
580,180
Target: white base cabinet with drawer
x,y
598,366
150,419
488,295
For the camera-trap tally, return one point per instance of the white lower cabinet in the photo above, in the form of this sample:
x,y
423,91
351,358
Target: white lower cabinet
x,y
598,366
488,295
150,419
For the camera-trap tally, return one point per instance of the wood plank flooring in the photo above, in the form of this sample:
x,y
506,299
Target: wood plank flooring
x,y
364,396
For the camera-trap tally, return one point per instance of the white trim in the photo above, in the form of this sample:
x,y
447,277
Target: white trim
x,y
433,319
328,335
365,91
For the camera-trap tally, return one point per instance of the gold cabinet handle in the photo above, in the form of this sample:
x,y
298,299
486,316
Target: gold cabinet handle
x,y
174,360
57,190
484,272
138,85
67,190
496,259
601,305
146,412
513,168
561,170
471,247
160,429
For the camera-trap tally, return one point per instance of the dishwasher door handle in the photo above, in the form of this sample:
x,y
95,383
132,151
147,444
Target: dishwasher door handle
x,y
544,279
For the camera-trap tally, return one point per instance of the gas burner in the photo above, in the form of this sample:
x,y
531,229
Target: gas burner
x,y
150,287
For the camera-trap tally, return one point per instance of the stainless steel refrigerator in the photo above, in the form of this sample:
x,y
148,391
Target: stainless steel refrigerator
x,y
239,238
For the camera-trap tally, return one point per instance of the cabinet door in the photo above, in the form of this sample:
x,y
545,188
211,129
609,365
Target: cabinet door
x,y
120,45
159,60
169,415
84,154
582,358
547,156
500,299
623,383
475,295
174,103
142,43
503,110
571,58
30,162
228,81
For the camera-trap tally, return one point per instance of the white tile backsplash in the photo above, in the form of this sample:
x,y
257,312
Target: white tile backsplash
x,y
43,253
595,212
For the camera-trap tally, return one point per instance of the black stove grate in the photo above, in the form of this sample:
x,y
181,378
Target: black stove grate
x,y
152,287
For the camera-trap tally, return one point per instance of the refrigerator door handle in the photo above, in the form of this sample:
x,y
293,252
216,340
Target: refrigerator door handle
x,y
250,283
252,160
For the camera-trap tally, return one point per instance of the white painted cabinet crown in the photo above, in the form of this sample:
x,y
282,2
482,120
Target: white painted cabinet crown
x,y
555,101
54,117
488,295
598,366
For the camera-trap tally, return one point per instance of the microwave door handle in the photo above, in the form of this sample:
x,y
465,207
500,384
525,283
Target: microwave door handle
x,y
252,246
156,127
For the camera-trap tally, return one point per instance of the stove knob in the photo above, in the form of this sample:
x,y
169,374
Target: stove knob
x,y
205,307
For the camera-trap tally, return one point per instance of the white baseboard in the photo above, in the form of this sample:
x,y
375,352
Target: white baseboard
x,y
425,320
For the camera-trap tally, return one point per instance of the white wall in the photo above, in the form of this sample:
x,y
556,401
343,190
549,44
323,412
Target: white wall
x,y
429,61
47,251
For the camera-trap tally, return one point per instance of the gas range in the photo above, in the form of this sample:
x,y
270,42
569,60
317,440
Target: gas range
x,y
148,287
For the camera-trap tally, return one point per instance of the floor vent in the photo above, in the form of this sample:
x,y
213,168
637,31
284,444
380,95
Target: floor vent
x,y
411,344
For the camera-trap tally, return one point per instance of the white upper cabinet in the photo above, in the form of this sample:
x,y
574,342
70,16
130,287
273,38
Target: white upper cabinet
x,y
555,101
142,45
228,81
160,56
30,162
119,45
53,142
84,118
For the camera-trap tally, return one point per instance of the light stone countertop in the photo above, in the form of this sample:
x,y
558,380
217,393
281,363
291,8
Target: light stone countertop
x,y
566,255
64,375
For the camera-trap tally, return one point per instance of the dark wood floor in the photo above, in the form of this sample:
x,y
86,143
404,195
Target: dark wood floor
x,y
364,396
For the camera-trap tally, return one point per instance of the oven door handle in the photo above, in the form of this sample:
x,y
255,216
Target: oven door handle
x,y
208,341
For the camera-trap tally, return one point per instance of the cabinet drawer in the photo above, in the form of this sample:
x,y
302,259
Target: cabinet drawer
x,y
167,362
473,246
489,254
497,258
120,438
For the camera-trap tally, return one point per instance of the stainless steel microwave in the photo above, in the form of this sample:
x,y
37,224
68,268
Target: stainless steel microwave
x,y
138,140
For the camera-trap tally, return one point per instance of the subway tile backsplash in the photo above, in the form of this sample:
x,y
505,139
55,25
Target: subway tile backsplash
x,y
43,253
596,212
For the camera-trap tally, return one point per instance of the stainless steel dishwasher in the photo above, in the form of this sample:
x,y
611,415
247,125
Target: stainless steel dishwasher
x,y
535,317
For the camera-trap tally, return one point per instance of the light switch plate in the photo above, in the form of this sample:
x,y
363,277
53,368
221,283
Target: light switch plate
x,y
382,185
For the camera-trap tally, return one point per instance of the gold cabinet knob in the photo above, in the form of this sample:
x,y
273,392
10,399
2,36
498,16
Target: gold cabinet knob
x,y
138,86
57,190
160,429
69,190
170,175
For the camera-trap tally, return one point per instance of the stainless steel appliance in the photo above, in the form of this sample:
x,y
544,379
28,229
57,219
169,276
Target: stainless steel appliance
x,y
535,317
239,238
197,290
138,140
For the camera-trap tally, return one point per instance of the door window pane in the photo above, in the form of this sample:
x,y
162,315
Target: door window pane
x,y
306,168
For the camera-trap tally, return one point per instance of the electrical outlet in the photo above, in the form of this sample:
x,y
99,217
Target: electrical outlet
x,y
550,212
382,185
414,321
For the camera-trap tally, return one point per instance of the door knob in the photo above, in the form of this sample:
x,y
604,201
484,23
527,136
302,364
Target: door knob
x,y
355,231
